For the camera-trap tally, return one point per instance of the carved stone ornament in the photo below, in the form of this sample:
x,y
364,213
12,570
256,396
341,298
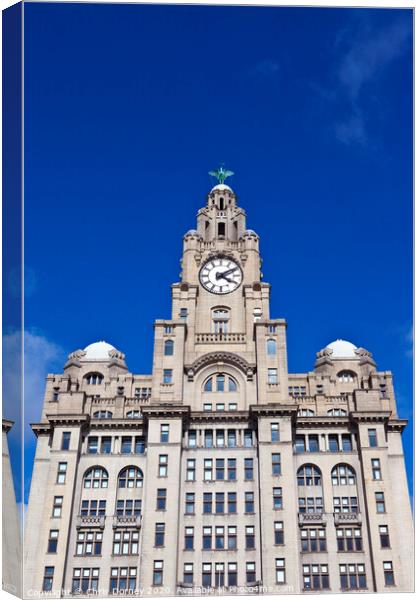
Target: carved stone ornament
x,y
363,352
76,355
221,358
116,354
325,352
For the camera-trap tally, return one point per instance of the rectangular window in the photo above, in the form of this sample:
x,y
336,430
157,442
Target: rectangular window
x,y
231,503
249,502
376,469
275,432
272,376
313,539
231,469
57,506
168,329
139,445
123,580
233,406
248,441
373,438
89,543
207,538
333,443
85,581
313,443
220,469
163,465
219,537
384,536
47,581
277,498
220,502
161,499
250,573
232,574
128,508
92,445
188,578
207,407
380,502
220,407
300,443
159,534
189,503
106,445
219,575
250,537
206,575
345,504
232,537
278,533
164,433
315,577
249,469
61,472
207,503
183,313
346,442
349,539
231,438
352,577
189,538
389,573
280,570
167,375
52,541
208,438
158,572
65,440
192,439
208,469
93,508
126,443
276,464
191,469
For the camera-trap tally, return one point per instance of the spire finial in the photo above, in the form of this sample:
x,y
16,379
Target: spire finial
x,y
221,173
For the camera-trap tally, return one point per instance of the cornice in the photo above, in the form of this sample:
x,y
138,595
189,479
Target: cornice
x,y
321,421
80,420
167,412
367,416
220,417
273,410
397,425
116,424
41,428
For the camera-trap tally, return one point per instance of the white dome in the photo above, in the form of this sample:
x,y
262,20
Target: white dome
x,y
221,187
342,349
98,351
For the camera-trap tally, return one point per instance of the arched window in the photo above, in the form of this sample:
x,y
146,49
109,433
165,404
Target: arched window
x,y
309,475
271,347
102,414
133,414
306,412
220,382
169,347
346,376
130,477
95,478
343,475
337,412
220,317
94,378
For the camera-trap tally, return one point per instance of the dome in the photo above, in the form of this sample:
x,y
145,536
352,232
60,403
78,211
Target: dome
x,y
98,351
191,232
221,187
342,349
250,232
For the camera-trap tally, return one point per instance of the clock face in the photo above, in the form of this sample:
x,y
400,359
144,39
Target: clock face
x,y
221,275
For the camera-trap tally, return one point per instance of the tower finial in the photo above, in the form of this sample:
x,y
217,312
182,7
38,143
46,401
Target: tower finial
x,y
221,173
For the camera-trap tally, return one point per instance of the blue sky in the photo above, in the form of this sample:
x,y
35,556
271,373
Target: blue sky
x,y
128,107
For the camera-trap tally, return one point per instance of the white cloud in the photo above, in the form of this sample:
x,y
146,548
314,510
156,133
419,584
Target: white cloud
x,y
41,356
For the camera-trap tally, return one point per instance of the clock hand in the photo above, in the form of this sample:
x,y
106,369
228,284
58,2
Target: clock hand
x,y
219,275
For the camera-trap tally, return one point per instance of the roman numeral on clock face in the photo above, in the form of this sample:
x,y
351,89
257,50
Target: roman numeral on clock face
x,y
221,276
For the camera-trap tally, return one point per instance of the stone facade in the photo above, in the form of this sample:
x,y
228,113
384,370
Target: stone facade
x,y
220,469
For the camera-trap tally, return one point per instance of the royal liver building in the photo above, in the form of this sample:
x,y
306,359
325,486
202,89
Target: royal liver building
x,y
220,472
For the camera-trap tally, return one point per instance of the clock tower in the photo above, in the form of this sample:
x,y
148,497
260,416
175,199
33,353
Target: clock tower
x,y
220,310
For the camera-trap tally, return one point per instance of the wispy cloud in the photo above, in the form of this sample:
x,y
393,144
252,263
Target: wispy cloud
x,y
41,355
268,68
365,59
